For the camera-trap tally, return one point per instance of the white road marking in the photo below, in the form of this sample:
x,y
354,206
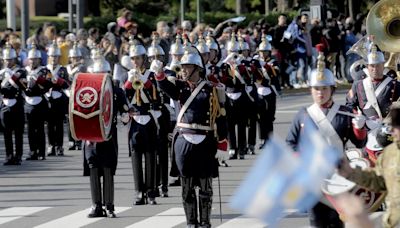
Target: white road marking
x,y
169,218
77,219
243,221
10,214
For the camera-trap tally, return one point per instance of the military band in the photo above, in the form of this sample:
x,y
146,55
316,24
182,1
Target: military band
x,y
188,115
12,108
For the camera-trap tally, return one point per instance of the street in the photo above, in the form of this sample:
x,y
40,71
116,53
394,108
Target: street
x,y
53,193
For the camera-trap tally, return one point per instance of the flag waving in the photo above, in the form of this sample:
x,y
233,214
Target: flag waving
x,y
280,180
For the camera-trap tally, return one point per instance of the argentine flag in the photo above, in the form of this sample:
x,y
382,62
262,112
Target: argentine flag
x,y
280,180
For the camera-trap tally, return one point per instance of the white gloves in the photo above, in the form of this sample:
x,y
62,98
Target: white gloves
x,y
359,121
156,66
125,118
133,74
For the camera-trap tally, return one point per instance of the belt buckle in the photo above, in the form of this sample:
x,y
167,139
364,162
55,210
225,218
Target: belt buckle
x,y
195,126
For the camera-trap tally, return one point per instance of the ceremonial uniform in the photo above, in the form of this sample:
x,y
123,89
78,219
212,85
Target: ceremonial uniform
x,y
144,99
373,96
163,121
12,108
58,102
36,106
267,84
195,142
101,158
73,69
251,100
336,124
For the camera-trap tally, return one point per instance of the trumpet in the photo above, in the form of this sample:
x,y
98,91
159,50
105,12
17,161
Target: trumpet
x,y
134,76
176,68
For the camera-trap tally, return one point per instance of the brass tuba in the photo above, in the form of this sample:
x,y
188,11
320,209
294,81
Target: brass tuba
x,y
360,48
383,23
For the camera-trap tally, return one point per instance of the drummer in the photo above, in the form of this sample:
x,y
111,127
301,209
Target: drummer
x,y
331,119
100,159
373,96
384,177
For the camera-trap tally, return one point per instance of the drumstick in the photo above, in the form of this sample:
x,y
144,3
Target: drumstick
x,y
335,183
347,114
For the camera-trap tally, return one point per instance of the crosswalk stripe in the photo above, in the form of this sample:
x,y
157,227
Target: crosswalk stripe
x,y
77,219
248,222
169,218
10,214
242,221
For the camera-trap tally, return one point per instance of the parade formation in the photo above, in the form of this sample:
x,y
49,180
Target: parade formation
x,y
199,100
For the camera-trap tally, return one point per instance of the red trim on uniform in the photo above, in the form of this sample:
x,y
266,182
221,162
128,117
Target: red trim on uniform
x,y
160,76
148,84
60,81
128,85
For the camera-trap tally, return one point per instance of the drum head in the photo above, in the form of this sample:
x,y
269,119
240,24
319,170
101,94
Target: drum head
x,y
336,185
360,162
353,153
106,106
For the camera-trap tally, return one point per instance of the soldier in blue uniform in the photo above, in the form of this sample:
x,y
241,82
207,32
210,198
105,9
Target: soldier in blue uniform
x,y
163,118
12,108
101,158
36,105
195,143
251,94
76,66
142,94
235,101
58,101
373,96
335,122
267,83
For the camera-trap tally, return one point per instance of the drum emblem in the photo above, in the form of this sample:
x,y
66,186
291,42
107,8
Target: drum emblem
x,y
86,97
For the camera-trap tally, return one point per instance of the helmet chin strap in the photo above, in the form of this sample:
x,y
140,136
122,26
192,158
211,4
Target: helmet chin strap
x,y
190,76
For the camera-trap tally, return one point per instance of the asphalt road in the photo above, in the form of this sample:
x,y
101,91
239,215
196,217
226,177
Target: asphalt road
x,y
54,194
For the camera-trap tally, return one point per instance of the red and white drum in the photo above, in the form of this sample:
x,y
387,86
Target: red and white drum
x,y
91,107
338,184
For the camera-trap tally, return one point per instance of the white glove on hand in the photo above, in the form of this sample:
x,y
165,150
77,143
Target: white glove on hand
x,y
132,74
156,66
359,121
125,118
222,155
230,58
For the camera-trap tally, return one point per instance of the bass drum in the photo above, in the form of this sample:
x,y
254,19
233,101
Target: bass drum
x,y
91,107
337,184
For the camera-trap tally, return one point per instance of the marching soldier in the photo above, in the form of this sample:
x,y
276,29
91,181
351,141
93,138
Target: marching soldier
x,y
251,94
213,74
267,88
195,142
57,100
336,124
76,66
36,106
384,176
373,97
12,108
100,159
162,117
142,94
236,101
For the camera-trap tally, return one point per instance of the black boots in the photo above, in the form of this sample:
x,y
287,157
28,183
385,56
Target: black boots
x,y
97,211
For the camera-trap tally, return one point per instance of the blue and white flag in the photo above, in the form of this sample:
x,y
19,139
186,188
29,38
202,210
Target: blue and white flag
x,y
263,188
318,161
280,180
